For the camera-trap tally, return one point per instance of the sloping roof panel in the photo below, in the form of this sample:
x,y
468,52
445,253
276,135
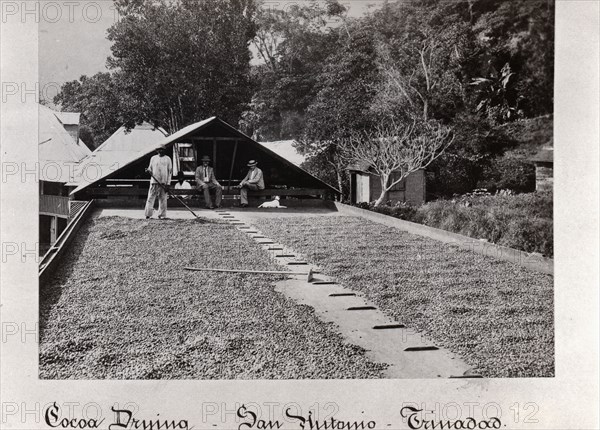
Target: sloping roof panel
x,y
58,153
285,149
121,147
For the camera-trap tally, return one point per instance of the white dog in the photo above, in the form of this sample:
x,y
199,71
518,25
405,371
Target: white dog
x,y
273,204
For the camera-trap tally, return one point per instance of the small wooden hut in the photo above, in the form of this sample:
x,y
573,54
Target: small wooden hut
x,y
365,186
544,169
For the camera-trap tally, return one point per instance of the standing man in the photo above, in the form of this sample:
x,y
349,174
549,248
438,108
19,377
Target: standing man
x,y
206,181
160,169
252,181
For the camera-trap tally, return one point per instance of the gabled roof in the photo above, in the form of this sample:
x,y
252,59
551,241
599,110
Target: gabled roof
x,y
120,147
184,132
58,152
286,149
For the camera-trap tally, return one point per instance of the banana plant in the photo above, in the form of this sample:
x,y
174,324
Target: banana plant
x,y
496,95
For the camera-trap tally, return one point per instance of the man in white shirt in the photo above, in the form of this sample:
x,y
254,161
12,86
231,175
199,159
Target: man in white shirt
x,y
160,168
206,181
182,184
253,181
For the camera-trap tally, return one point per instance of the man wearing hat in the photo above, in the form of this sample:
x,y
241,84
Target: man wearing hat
x,y
206,181
252,181
160,168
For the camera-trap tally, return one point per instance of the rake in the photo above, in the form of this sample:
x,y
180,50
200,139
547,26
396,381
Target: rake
x,y
200,219
309,274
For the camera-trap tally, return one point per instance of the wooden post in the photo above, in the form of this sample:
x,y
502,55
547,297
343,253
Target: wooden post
x,y
232,162
215,155
53,229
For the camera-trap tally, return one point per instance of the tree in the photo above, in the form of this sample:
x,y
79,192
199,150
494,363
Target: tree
x,y
97,99
421,50
341,105
293,46
497,97
520,33
394,151
179,62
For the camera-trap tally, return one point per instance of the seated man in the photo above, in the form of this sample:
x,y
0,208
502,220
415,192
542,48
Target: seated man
x,y
182,184
252,181
206,181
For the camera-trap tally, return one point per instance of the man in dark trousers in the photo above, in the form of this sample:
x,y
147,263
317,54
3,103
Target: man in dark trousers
x,y
253,181
206,181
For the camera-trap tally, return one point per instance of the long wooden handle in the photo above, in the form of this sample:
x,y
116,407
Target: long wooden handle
x,y
271,272
173,195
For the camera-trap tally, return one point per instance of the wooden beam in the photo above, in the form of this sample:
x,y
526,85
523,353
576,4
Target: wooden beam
x,y
129,191
286,192
210,139
53,215
232,163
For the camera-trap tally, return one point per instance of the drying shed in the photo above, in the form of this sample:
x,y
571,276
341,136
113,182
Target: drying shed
x,y
230,151
59,152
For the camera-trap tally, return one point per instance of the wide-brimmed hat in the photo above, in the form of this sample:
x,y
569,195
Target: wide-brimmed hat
x,y
161,148
205,158
252,163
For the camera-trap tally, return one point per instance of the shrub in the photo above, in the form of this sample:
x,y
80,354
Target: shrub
x,y
521,221
399,210
511,171
491,157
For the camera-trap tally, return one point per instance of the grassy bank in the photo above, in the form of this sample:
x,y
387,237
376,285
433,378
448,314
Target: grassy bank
x,y
522,221
122,306
497,315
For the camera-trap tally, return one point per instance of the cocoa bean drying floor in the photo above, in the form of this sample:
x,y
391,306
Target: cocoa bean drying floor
x,y
497,315
121,306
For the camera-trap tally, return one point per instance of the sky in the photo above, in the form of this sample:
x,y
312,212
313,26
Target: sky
x,y
72,41
72,37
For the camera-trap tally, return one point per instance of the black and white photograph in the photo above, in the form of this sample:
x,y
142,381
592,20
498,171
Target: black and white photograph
x,y
305,193
401,153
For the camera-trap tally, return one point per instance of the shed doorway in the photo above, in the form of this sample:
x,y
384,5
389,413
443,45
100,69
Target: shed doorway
x,y
363,183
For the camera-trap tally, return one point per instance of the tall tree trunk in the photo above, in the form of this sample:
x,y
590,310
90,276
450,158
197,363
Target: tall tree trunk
x,y
383,195
340,181
381,198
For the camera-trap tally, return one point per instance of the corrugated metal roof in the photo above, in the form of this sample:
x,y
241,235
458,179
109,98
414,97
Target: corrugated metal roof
x,y
68,118
285,149
121,147
58,152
